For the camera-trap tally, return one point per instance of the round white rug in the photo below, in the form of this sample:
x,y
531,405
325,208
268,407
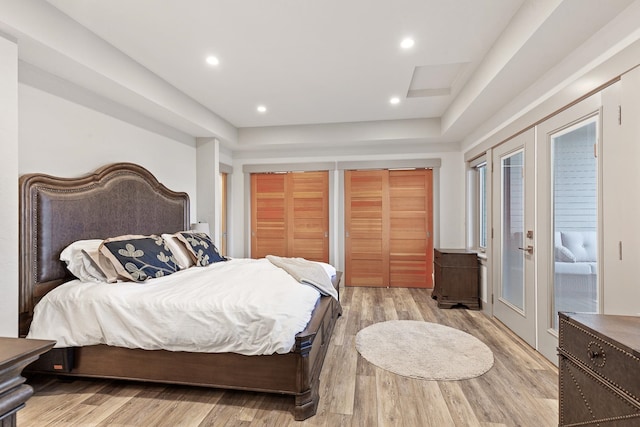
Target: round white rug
x,y
424,350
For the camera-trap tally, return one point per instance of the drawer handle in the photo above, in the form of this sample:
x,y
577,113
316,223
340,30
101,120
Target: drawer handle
x,y
596,354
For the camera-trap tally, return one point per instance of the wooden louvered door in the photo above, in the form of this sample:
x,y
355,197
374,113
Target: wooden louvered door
x,y
410,224
367,232
290,215
388,225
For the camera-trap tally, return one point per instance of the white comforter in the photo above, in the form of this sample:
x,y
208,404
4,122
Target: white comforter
x,y
245,306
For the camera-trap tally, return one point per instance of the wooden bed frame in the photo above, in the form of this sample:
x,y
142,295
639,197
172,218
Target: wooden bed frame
x,y
125,198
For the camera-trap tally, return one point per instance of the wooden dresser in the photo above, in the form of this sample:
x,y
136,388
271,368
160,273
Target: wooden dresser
x,y
15,354
599,370
456,273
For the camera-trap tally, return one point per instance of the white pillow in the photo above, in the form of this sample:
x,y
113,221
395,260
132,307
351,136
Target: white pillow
x,y
79,264
328,268
180,252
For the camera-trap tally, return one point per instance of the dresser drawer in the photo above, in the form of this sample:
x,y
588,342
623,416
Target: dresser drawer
x,y
605,357
457,258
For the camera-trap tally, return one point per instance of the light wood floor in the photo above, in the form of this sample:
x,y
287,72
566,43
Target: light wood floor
x,y
520,390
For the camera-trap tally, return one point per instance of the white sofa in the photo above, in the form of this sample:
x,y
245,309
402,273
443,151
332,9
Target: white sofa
x,y
576,281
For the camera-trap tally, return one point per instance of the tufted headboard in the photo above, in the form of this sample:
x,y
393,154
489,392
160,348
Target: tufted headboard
x,y
121,198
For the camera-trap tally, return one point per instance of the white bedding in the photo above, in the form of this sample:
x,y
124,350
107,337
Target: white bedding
x,y
245,306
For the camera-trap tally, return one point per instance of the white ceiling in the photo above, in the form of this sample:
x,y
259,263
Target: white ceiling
x,y
308,61
336,61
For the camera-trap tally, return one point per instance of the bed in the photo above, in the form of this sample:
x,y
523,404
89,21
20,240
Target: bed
x,y
125,198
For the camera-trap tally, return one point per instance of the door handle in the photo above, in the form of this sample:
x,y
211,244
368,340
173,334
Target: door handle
x,y
528,249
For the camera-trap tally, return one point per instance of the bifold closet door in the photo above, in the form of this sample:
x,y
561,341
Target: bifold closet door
x,y
290,215
388,225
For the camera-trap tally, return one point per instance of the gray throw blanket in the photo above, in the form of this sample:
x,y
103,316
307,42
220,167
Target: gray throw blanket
x,y
306,272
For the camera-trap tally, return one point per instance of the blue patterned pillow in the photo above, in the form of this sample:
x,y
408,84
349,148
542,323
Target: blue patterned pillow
x,y
139,258
201,246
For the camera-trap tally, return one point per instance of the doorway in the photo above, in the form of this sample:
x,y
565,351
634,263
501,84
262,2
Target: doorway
x,y
545,221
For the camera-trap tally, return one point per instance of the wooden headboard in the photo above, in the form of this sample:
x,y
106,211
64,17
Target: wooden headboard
x,y
117,199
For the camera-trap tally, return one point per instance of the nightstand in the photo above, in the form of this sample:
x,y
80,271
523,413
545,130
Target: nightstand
x,y
15,354
456,273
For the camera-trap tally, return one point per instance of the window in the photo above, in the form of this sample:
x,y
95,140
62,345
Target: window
x,y
482,205
477,226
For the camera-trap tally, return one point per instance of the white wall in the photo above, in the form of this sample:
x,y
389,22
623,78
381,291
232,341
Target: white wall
x,y
452,194
9,188
620,248
61,138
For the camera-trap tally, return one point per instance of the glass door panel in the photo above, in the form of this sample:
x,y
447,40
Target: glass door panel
x,y
575,219
512,170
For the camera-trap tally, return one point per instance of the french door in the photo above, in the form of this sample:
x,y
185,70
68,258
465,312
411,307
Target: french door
x,y
546,212
513,228
568,218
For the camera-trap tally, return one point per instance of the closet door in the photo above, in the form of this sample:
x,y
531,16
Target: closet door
x,y
388,217
367,232
290,215
410,228
268,215
308,215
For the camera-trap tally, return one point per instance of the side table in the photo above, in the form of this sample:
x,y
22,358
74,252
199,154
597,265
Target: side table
x,y
456,281
15,354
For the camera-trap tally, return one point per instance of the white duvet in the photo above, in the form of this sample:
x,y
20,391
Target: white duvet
x,y
244,306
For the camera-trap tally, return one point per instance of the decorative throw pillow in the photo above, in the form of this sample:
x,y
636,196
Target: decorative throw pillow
x,y
563,254
201,246
184,257
96,262
139,258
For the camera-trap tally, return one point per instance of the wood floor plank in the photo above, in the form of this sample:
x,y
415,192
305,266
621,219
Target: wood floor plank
x,y
387,402
340,329
91,412
428,396
365,414
340,399
144,407
56,400
520,389
389,308
461,411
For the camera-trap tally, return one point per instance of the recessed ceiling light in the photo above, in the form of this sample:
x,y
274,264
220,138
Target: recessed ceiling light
x,y
407,43
261,109
395,100
212,60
